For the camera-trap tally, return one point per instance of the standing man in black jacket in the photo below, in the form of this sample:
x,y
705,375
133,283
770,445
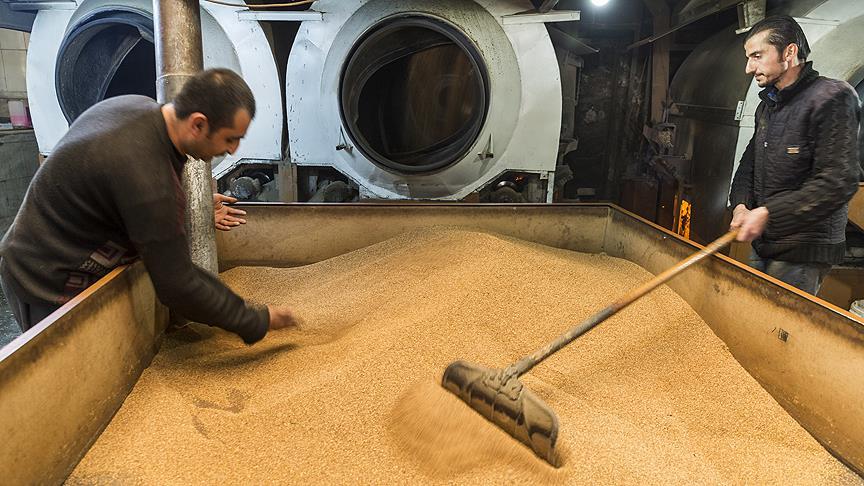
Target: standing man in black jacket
x,y
791,191
110,193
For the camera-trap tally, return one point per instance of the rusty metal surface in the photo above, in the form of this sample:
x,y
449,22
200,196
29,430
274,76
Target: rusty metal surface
x,y
804,351
299,234
179,57
62,381
179,52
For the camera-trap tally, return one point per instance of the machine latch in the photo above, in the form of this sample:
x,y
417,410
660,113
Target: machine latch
x,y
489,151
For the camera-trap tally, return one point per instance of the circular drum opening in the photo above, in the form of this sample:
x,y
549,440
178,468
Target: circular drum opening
x,y
414,94
108,53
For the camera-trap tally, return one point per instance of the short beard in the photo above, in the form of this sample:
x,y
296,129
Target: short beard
x,y
769,81
194,153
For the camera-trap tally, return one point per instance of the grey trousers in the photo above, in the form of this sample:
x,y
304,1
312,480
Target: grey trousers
x,y
27,314
805,276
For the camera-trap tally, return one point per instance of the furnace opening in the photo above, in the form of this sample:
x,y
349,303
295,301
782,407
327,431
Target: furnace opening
x,y
414,94
108,53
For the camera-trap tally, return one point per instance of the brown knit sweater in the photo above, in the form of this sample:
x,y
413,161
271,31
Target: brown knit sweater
x,y
108,194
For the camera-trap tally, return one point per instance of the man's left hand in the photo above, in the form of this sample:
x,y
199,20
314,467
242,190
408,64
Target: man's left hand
x,y
753,224
226,217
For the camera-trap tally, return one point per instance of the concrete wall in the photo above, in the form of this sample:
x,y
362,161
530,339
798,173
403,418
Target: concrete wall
x,y
13,65
19,159
18,150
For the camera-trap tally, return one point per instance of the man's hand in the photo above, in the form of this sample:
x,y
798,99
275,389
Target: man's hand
x,y
282,317
750,223
738,216
224,216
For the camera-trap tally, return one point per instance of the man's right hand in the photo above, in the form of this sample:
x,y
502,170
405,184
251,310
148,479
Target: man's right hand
x,y
738,215
751,223
282,317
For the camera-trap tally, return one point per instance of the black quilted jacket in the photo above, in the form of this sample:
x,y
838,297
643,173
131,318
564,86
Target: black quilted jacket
x,y
802,164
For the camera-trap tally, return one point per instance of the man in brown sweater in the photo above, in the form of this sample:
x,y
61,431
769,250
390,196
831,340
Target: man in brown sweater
x,y
110,193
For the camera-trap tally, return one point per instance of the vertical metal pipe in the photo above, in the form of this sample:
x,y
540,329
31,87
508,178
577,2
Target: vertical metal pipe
x,y
660,63
179,57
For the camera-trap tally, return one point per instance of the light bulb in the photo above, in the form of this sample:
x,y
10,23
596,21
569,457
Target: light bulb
x,y
599,3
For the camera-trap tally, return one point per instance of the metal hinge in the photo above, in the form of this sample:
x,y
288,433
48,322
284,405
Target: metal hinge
x,y
489,151
739,111
343,142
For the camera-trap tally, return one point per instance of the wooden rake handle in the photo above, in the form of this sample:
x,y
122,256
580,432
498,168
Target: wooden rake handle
x,y
523,365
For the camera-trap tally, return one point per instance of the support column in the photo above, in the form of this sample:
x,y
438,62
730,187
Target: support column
x,y
179,56
659,60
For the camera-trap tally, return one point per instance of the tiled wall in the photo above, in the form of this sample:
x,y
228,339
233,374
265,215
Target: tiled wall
x,y
13,62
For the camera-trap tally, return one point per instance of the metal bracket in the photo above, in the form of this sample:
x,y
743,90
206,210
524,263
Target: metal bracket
x,y
343,142
489,151
739,111
281,16
535,17
550,185
749,12
30,6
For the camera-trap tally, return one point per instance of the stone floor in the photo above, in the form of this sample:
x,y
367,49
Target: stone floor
x,y
9,329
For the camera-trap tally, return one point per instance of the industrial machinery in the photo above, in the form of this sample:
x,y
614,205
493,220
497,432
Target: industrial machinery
x,y
83,52
714,101
425,100
393,100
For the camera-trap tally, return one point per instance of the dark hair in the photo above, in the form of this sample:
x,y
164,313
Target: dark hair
x,y
784,31
217,94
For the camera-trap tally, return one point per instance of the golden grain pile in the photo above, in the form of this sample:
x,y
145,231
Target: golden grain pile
x,y
353,397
